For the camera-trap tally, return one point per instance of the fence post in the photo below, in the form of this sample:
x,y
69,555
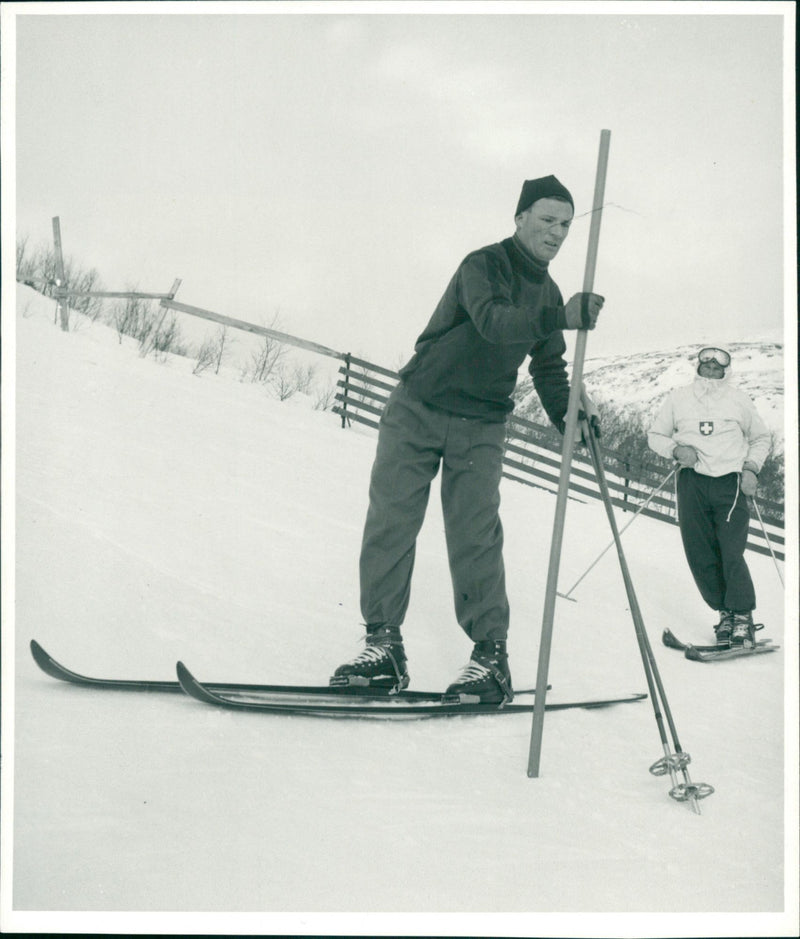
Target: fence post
x,y
61,284
346,389
627,485
151,340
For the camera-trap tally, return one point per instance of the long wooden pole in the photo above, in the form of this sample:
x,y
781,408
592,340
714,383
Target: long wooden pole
x,y
119,294
252,328
576,388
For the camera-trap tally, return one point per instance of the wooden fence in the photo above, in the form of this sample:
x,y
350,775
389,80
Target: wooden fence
x,y
533,457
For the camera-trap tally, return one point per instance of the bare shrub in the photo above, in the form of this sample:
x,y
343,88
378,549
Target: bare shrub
x,y
36,267
163,338
24,267
129,317
138,318
86,281
211,352
206,356
324,397
304,376
771,480
262,361
265,358
282,382
222,342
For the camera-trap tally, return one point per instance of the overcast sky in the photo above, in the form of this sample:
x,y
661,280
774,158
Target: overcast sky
x,y
335,167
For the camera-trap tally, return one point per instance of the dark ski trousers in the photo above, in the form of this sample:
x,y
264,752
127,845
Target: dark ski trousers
x,y
714,538
414,440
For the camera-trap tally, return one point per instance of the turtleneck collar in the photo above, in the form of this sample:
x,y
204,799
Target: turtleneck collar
x,y
537,269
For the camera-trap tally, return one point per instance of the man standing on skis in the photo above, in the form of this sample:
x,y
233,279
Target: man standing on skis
x,y
713,431
449,409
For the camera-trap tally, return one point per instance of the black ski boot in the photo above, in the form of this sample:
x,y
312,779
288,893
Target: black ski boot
x,y
724,628
743,632
485,678
382,664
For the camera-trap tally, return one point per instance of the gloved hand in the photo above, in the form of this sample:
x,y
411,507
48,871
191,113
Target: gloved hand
x,y
591,416
581,311
748,482
685,455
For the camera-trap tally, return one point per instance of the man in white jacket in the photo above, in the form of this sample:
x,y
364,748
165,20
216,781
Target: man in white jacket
x,y
713,431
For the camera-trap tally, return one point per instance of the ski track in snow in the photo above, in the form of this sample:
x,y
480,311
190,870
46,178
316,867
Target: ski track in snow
x,y
163,516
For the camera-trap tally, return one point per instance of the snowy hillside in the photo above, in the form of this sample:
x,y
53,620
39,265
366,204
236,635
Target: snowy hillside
x,y
638,383
160,515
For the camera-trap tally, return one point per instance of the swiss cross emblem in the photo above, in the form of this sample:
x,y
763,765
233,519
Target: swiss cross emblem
x,y
706,428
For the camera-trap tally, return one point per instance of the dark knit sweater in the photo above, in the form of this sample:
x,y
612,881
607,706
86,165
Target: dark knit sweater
x,y
500,306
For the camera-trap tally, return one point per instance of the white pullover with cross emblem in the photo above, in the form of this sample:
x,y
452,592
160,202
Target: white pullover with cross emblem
x,y
718,420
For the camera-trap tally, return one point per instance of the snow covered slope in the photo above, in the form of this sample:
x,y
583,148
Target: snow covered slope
x,y
164,516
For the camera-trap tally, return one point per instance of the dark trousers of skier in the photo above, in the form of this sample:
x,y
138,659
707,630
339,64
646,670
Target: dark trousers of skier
x,y
415,440
714,520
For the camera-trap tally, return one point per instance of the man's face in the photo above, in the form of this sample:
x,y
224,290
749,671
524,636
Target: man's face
x,y
543,227
710,370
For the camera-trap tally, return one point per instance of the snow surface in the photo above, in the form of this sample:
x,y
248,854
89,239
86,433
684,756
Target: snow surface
x,y
164,516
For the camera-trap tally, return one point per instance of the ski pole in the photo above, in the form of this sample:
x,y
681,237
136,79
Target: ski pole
x,y
641,509
573,406
769,543
671,761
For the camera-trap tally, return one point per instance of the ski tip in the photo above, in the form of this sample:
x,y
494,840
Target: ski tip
x,y
39,656
191,686
183,673
46,663
38,652
186,680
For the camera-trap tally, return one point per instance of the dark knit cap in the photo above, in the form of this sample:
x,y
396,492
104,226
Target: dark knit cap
x,y
546,187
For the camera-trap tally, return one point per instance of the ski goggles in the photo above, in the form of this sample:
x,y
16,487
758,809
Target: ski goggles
x,y
720,356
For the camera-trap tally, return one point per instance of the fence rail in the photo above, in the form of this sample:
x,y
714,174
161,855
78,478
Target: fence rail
x,y
533,457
